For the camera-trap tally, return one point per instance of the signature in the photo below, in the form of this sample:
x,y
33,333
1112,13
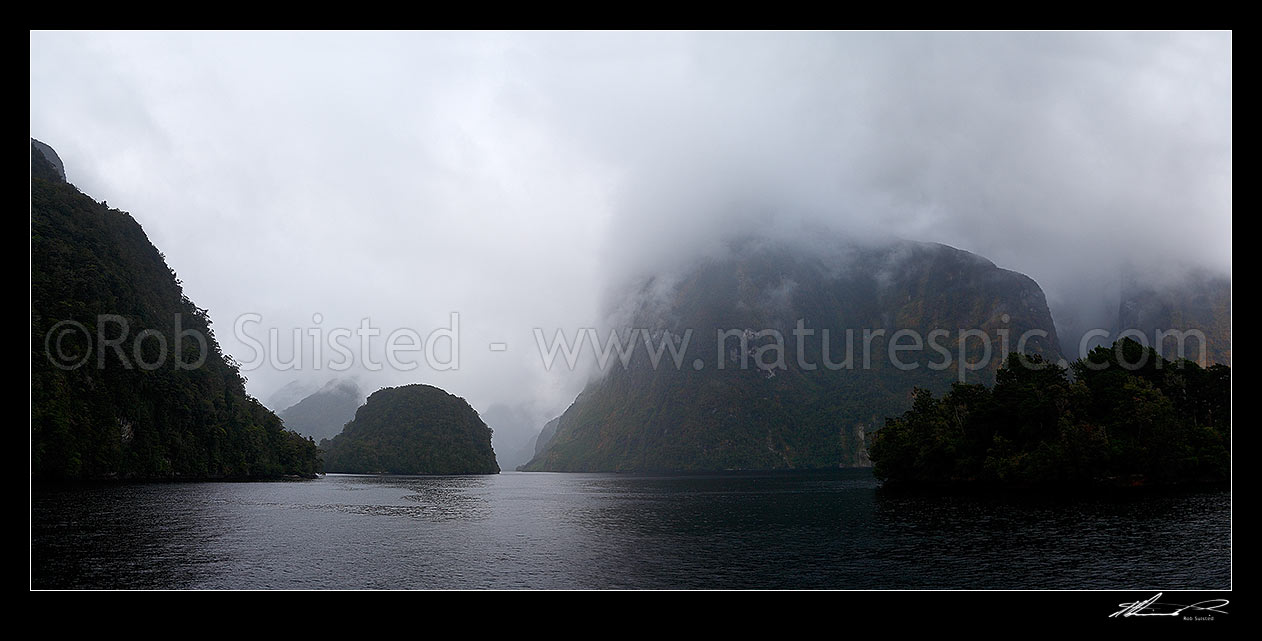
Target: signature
x,y
1151,608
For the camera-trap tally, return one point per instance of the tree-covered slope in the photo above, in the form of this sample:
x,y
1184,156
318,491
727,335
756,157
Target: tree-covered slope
x,y
414,429
150,400
1126,417
729,405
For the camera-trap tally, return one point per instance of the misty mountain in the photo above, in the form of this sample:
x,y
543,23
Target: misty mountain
x,y
760,396
518,458
538,443
127,379
545,435
1061,155
322,414
291,393
513,428
1196,302
414,429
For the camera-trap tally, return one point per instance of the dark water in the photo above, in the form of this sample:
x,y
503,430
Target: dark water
x,y
514,530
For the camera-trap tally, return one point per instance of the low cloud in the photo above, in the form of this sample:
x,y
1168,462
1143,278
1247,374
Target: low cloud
x,y
517,178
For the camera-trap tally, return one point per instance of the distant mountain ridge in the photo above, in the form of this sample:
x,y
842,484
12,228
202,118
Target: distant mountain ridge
x,y
285,397
514,429
538,443
545,435
323,413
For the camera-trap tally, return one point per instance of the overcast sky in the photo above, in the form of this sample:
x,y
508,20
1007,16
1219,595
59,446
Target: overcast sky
x,y
512,177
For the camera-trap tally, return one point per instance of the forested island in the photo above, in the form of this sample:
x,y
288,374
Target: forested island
x,y
1123,416
413,429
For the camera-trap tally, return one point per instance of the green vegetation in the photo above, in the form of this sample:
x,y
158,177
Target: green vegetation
x,y
414,429
111,417
1126,416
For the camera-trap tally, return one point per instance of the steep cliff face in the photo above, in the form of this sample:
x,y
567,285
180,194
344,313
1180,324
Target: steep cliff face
x,y
50,166
127,380
414,429
785,359
1173,314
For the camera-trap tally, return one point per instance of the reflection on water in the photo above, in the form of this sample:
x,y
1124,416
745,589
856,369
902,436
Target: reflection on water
x,y
806,530
1154,541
